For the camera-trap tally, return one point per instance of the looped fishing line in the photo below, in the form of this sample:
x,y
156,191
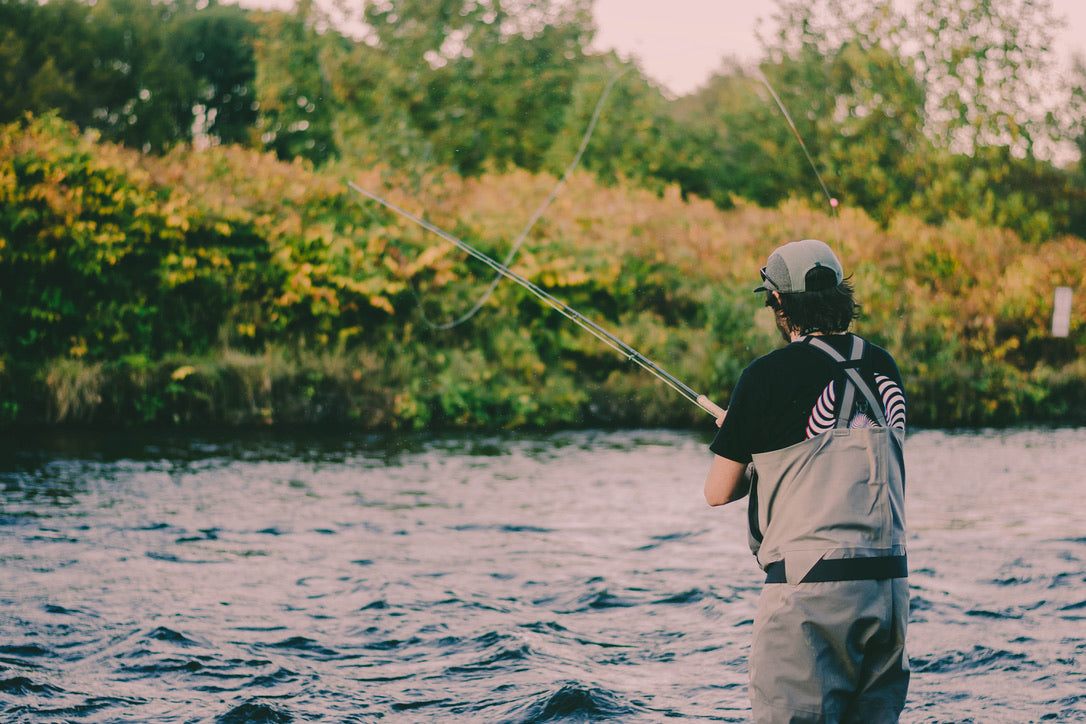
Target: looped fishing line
x,y
631,354
536,216
597,112
502,269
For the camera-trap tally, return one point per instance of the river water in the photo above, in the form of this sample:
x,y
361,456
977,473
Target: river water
x,y
575,577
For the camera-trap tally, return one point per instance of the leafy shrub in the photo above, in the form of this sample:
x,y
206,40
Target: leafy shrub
x,y
226,287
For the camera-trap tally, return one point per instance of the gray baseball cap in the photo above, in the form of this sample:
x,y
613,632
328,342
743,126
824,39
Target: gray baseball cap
x,y
787,268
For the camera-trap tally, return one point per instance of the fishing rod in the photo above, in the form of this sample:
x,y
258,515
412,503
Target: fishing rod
x,y
564,309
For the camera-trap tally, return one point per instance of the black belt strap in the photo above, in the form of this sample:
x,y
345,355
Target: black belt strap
x,y
845,569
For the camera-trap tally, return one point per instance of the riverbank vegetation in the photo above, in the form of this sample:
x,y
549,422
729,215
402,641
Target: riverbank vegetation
x,y
226,286
217,270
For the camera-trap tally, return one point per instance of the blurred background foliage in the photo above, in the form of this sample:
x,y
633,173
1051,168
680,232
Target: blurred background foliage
x,y
178,244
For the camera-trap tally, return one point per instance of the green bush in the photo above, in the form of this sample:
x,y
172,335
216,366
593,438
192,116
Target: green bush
x,y
226,287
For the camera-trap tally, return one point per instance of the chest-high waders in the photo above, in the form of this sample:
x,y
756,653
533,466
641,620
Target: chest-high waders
x,y
827,525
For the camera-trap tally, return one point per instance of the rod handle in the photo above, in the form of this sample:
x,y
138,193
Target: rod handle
x,y
712,408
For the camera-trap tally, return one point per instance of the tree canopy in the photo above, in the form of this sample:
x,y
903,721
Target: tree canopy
x,y
941,111
177,241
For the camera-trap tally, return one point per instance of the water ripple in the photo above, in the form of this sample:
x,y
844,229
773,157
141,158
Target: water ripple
x,y
569,578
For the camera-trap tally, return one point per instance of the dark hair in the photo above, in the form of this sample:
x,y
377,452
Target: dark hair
x,y
829,310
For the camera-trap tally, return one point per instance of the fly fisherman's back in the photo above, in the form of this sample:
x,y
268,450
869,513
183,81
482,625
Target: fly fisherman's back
x,y
814,433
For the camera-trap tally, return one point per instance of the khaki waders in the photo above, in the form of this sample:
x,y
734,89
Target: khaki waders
x,y
827,523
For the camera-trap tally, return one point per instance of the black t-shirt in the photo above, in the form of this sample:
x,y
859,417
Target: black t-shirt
x,y
782,399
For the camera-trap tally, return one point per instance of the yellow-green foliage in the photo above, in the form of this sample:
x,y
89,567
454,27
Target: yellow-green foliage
x,y
224,286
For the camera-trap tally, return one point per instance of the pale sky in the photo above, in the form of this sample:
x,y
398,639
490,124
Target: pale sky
x,y
679,43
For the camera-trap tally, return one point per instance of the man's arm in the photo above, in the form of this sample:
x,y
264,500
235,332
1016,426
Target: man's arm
x,y
727,482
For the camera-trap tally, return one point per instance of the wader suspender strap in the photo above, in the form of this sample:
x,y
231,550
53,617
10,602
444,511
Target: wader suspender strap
x,y
853,380
845,569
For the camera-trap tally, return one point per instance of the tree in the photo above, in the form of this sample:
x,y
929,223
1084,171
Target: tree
x,y
875,144
138,94
43,54
133,69
986,66
933,112
216,46
483,82
1077,132
297,105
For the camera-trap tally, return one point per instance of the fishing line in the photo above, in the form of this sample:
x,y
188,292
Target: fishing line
x,y
538,214
564,309
787,117
503,270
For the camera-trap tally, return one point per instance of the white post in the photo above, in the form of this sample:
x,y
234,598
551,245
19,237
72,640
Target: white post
x,y
1061,312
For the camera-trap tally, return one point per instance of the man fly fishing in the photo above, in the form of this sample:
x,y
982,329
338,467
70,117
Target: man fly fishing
x,y
814,434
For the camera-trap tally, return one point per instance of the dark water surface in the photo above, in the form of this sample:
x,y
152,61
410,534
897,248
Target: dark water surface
x,y
576,577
